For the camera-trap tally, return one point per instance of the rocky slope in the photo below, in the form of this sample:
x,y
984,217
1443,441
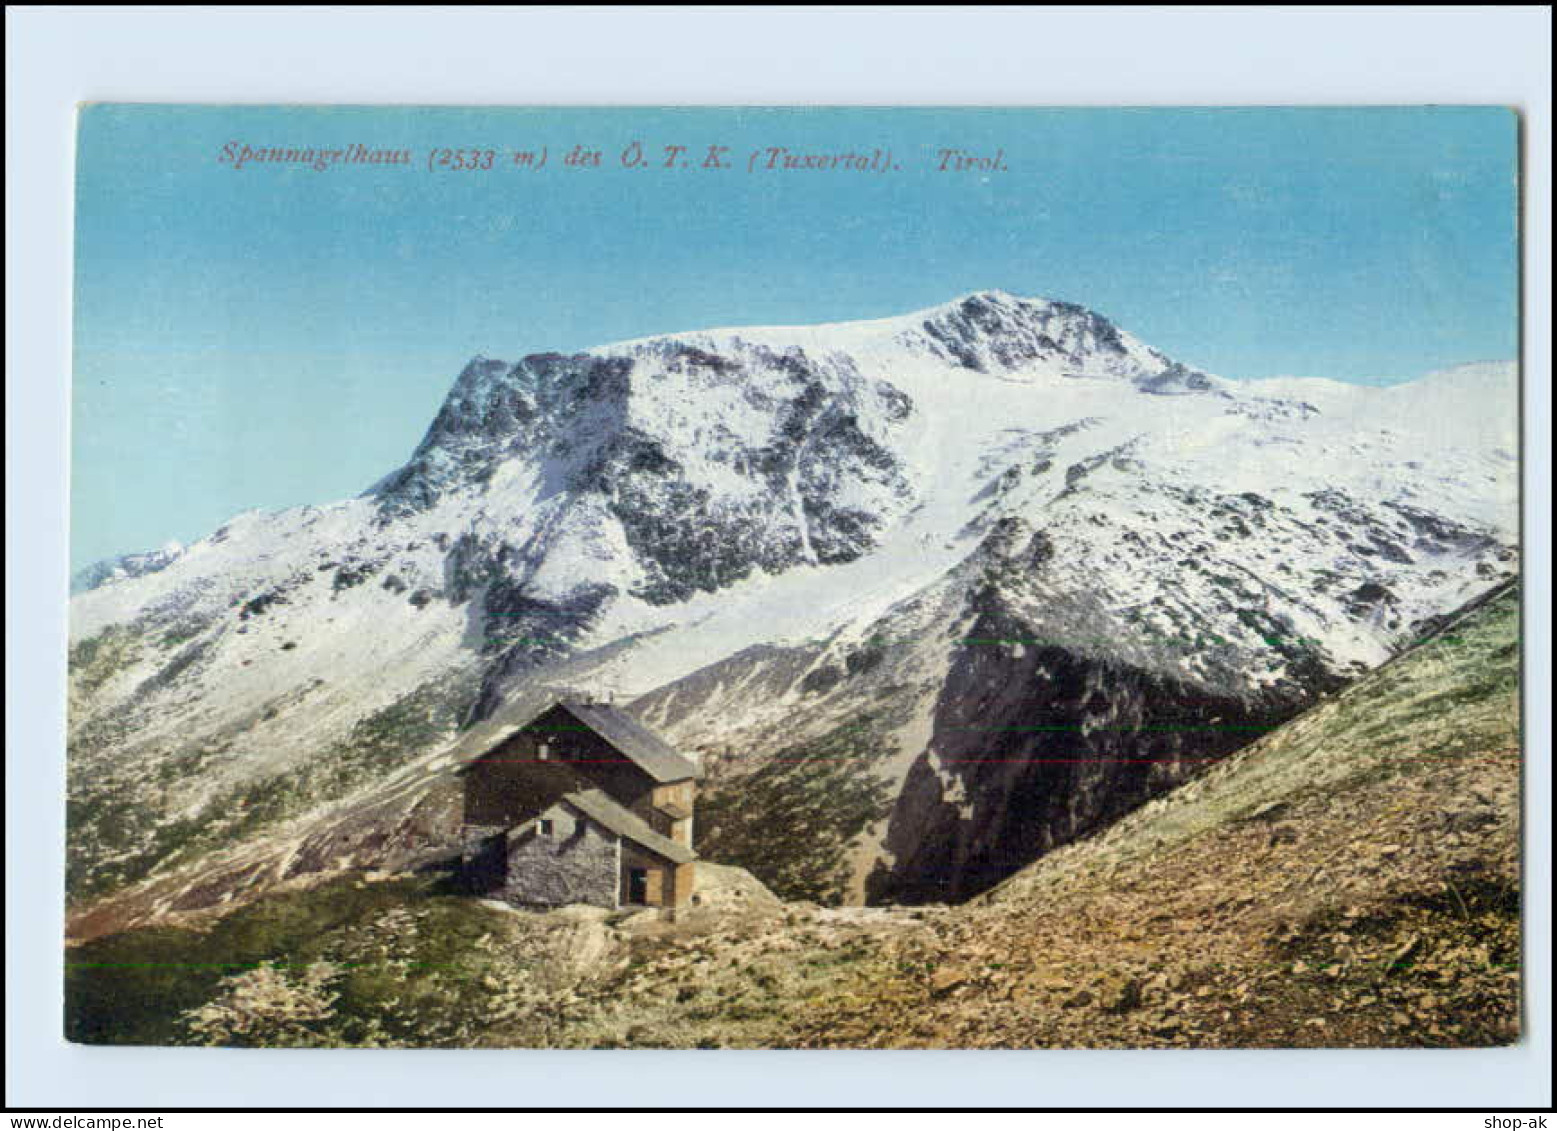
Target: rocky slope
x,y
1350,880
931,595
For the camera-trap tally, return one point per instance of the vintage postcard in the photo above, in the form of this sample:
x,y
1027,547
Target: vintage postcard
x,y
795,578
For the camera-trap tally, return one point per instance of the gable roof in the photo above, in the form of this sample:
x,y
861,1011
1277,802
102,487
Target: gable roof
x,y
598,807
651,752
645,749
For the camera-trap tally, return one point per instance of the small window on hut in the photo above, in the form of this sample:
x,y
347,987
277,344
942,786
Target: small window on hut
x,y
546,828
543,752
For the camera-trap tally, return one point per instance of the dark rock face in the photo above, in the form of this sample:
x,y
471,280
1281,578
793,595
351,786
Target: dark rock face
x,y
1175,380
1032,751
727,542
547,404
1435,534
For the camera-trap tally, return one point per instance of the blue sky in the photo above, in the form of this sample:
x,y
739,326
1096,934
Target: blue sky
x,y
275,335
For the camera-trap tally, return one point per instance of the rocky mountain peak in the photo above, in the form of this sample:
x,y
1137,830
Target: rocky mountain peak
x,y
499,411
124,566
993,331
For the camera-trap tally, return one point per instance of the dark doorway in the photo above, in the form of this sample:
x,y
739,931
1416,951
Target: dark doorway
x,y
637,885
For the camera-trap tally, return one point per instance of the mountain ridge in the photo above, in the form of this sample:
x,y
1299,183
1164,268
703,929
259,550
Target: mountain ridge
x,y
638,515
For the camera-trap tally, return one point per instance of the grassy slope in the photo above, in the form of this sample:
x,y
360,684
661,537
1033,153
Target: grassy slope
x,y
113,844
1351,879
792,820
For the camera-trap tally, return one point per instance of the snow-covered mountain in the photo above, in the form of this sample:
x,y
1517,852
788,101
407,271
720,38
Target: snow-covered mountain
x,y
930,594
103,571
